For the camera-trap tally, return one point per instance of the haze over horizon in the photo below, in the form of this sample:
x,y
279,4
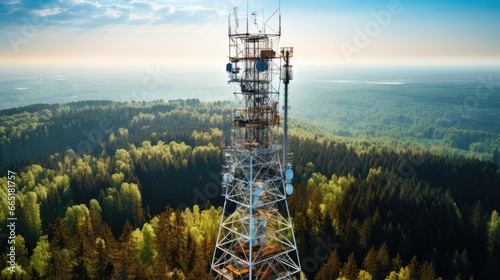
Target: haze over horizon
x,y
192,35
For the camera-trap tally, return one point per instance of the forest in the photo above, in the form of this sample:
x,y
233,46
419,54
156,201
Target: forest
x,y
454,115
131,190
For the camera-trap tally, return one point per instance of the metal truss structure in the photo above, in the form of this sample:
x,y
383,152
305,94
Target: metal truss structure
x,y
256,239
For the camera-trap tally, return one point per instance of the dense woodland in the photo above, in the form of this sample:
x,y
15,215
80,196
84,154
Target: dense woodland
x,y
111,190
457,117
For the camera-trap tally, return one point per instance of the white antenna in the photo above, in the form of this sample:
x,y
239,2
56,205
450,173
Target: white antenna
x,y
236,20
229,31
254,19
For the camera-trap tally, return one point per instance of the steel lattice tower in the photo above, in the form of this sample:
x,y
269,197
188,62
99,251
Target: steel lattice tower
x,y
256,239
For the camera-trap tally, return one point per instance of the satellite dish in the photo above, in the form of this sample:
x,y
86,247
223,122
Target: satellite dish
x,y
289,189
227,178
289,174
261,65
262,225
258,191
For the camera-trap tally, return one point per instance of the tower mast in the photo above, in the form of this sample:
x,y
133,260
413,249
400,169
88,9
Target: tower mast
x,y
255,238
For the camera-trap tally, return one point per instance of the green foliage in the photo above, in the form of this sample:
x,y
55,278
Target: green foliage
x,y
76,215
395,116
94,206
403,274
147,251
493,264
117,180
413,215
494,229
41,256
364,275
130,197
18,274
390,205
84,126
30,221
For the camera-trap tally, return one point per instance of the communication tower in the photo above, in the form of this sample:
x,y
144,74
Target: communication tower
x,y
256,239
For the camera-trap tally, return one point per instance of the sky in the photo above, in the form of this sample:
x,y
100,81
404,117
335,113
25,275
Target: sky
x,y
192,34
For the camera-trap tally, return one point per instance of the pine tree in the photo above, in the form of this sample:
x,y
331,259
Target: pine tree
x,y
125,255
331,269
147,251
370,263
460,265
181,255
81,246
384,262
164,243
413,268
478,235
397,263
350,268
100,266
427,271
62,262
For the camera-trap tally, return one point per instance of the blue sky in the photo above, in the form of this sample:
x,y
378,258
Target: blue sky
x,y
194,32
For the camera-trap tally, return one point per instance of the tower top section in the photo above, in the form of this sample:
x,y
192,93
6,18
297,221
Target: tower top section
x,y
256,18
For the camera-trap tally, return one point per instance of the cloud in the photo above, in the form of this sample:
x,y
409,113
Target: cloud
x,y
47,12
96,13
112,13
12,2
143,4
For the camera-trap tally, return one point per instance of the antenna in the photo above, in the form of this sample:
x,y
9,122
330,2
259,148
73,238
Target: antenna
x,y
236,20
254,19
279,8
229,32
286,76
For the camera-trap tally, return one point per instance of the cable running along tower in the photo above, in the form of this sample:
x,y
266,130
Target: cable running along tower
x,y
256,239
